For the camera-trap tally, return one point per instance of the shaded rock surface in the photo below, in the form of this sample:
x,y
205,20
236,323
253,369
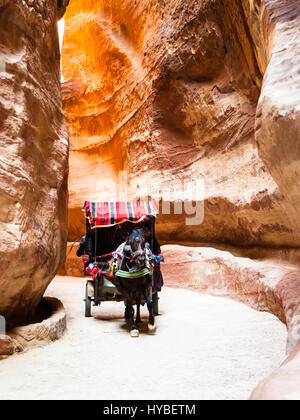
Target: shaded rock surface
x,y
48,330
7,345
50,327
173,86
33,156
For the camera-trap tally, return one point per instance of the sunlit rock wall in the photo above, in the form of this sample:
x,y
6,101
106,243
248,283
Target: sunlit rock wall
x,y
278,112
168,91
33,156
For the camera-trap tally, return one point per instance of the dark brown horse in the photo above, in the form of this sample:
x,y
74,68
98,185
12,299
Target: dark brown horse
x,y
134,280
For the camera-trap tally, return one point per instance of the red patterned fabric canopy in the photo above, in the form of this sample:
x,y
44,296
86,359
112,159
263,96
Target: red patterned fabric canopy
x,y
110,213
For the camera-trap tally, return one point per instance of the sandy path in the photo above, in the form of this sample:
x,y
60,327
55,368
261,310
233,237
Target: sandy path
x,y
205,348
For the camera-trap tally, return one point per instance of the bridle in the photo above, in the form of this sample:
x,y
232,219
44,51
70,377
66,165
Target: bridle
x,y
135,256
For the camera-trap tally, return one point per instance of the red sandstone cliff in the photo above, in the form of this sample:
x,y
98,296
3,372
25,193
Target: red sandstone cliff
x,y
174,86
173,90
33,155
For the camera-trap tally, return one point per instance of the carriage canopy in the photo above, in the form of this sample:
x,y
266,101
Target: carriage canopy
x,y
106,214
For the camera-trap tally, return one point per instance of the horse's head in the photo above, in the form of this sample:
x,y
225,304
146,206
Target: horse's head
x,y
135,246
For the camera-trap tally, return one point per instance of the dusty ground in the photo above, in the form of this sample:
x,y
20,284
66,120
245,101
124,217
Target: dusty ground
x,y
205,348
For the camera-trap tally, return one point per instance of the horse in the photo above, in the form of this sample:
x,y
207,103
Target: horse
x,y
134,281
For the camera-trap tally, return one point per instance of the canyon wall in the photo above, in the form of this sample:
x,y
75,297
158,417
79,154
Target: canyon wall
x,y
278,112
33,155
169,91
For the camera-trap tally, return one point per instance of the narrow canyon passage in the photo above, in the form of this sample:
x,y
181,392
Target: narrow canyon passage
x,y
205,348
193,104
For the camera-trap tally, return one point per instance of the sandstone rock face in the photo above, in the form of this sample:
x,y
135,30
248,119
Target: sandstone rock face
x,y
49,329
278,113
41,333
7,345
168,91
284,383
33,155
173,90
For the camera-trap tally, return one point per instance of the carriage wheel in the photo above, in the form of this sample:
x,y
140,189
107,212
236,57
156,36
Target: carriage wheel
x,y
88,302
155,303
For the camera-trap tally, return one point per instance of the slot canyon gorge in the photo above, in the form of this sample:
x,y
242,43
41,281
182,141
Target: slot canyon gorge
x,y
160,92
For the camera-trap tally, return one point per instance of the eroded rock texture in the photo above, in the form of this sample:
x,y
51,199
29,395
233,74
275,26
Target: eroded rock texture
x,y
278,113
174,90
33,156
173,86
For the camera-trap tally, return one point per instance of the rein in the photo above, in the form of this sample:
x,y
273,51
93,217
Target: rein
x,y
112,254
105,255
76,240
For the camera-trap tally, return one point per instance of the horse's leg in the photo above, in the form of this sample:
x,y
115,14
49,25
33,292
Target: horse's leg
x,y
127,310
138,312
151,324
134,332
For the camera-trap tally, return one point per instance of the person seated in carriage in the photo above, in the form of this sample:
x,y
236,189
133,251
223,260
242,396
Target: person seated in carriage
x,y
157,274
85,250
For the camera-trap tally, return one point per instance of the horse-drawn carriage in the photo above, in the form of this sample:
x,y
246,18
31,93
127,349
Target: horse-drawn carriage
x,y
121,257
